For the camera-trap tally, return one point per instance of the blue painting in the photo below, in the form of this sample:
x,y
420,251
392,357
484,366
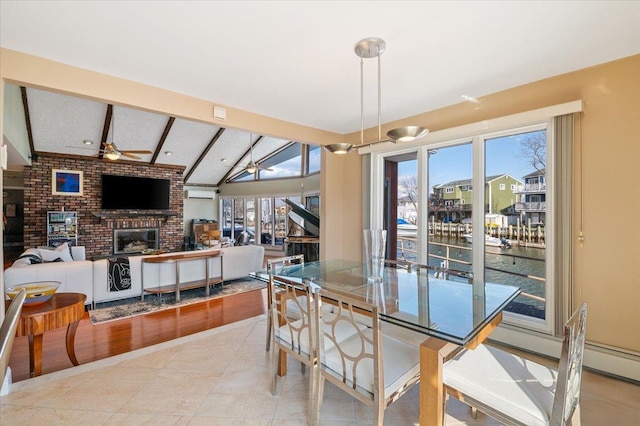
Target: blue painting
x,y
67,182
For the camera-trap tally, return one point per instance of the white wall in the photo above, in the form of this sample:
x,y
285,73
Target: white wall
x,y
198,209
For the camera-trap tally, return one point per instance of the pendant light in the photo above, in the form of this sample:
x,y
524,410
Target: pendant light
x,y
373,47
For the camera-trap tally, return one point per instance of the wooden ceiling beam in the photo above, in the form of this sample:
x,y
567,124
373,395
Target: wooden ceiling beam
x,y
163,138
105,131
242,157
204,153
27,118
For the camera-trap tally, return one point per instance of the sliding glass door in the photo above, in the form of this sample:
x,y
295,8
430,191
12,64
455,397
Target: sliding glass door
x,y
476,207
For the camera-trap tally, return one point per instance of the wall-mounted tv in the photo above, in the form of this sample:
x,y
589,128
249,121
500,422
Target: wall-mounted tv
x,y
134,193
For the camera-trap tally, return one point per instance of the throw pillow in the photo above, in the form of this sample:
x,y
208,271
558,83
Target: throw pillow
x,y
29,257
63,251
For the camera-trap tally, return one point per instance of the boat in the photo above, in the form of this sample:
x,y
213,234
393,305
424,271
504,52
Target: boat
x,y
490,241
406,229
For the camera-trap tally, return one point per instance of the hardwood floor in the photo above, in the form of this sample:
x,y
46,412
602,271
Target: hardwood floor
x,y
94,342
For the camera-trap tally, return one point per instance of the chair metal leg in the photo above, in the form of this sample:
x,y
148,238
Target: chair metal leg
x,y
274,379
269,327
319,395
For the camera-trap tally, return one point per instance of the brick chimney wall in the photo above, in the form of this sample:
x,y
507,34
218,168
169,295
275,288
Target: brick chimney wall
x,y
96,233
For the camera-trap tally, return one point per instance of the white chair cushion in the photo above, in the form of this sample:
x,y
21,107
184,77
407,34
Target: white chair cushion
x,y
519,388
401,362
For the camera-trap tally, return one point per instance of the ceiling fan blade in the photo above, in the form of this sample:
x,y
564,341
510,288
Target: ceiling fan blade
x,y
260,167
80,147
136,151
129,155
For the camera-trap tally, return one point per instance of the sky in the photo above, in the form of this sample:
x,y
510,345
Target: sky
x,y
503,156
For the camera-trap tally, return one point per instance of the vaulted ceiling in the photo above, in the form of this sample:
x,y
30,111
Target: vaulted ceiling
x,y
70,125
294,61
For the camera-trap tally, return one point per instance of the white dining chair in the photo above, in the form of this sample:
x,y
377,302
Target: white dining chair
x,y
273,265
8,331
294,337
517,391
367,364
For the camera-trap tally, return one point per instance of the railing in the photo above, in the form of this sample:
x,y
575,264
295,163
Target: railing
x,y
531,187
523,235
447,259
531,206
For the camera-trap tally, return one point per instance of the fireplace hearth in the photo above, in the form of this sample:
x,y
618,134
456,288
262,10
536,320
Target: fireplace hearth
x,y
128,241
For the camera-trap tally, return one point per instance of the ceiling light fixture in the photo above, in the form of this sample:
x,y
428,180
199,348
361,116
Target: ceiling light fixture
x,y
374,47
87,142
168,153
112,155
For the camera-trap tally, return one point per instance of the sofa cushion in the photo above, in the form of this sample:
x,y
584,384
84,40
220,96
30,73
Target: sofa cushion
x,y
50,254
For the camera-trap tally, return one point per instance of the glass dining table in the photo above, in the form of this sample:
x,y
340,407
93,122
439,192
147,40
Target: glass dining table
x,y
450,311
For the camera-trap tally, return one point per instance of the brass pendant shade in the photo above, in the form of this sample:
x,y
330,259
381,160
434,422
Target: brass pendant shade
x,y
339,148
407,133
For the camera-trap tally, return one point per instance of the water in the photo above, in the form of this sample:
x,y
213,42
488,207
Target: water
x,y
515,266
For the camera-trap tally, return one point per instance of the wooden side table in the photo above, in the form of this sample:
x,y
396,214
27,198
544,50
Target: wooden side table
x,y
63,309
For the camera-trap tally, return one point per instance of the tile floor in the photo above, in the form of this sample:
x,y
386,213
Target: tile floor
x,y
218,377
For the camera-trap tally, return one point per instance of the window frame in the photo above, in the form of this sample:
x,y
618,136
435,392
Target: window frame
x,y
477,140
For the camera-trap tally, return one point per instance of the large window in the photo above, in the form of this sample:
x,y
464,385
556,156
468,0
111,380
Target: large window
x,y
268,225
291,160
500,234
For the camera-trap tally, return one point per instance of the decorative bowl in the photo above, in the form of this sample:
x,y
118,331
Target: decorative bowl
x,y
37,292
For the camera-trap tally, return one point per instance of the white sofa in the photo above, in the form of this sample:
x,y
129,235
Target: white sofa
x,y
74,277
90,278
237,262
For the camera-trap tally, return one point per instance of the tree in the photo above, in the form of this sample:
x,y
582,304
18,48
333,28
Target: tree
x,y
534,150
408,185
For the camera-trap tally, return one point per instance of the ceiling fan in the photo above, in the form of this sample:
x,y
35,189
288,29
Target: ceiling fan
x,y
112,152
252,166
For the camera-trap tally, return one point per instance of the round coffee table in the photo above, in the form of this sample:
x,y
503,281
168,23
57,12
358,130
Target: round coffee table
x,y
63,309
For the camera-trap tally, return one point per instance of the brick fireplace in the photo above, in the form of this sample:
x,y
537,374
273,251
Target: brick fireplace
x,y
137,240
95,226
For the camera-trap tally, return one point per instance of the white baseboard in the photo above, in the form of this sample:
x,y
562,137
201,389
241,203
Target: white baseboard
x,y
605,360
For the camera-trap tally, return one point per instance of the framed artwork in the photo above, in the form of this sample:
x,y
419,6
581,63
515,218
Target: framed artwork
x,y
66,182
10,210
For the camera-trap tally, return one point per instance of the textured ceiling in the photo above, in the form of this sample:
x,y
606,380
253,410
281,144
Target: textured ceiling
x,y
294,61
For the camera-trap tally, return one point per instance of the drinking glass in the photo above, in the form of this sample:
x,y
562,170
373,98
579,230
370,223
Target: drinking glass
x,y
374,248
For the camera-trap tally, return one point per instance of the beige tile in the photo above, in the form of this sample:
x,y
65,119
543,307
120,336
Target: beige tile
x,y
97,396
257,405
243,382
172,392
213,421
128,419
11,415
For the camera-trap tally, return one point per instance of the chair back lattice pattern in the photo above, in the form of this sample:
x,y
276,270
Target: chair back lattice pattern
x,y
567,394
344,361
519,391
273,267
293,333
8,331
276,264
351,345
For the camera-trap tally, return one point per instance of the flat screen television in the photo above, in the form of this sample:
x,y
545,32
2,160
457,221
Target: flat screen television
x,y
134,193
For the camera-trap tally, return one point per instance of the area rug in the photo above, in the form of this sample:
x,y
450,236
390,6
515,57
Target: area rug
x,y
118,309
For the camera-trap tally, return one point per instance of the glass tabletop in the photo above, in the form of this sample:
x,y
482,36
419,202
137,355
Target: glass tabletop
x,y
448,308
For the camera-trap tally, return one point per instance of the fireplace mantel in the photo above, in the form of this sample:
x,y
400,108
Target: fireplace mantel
x,y
127,214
